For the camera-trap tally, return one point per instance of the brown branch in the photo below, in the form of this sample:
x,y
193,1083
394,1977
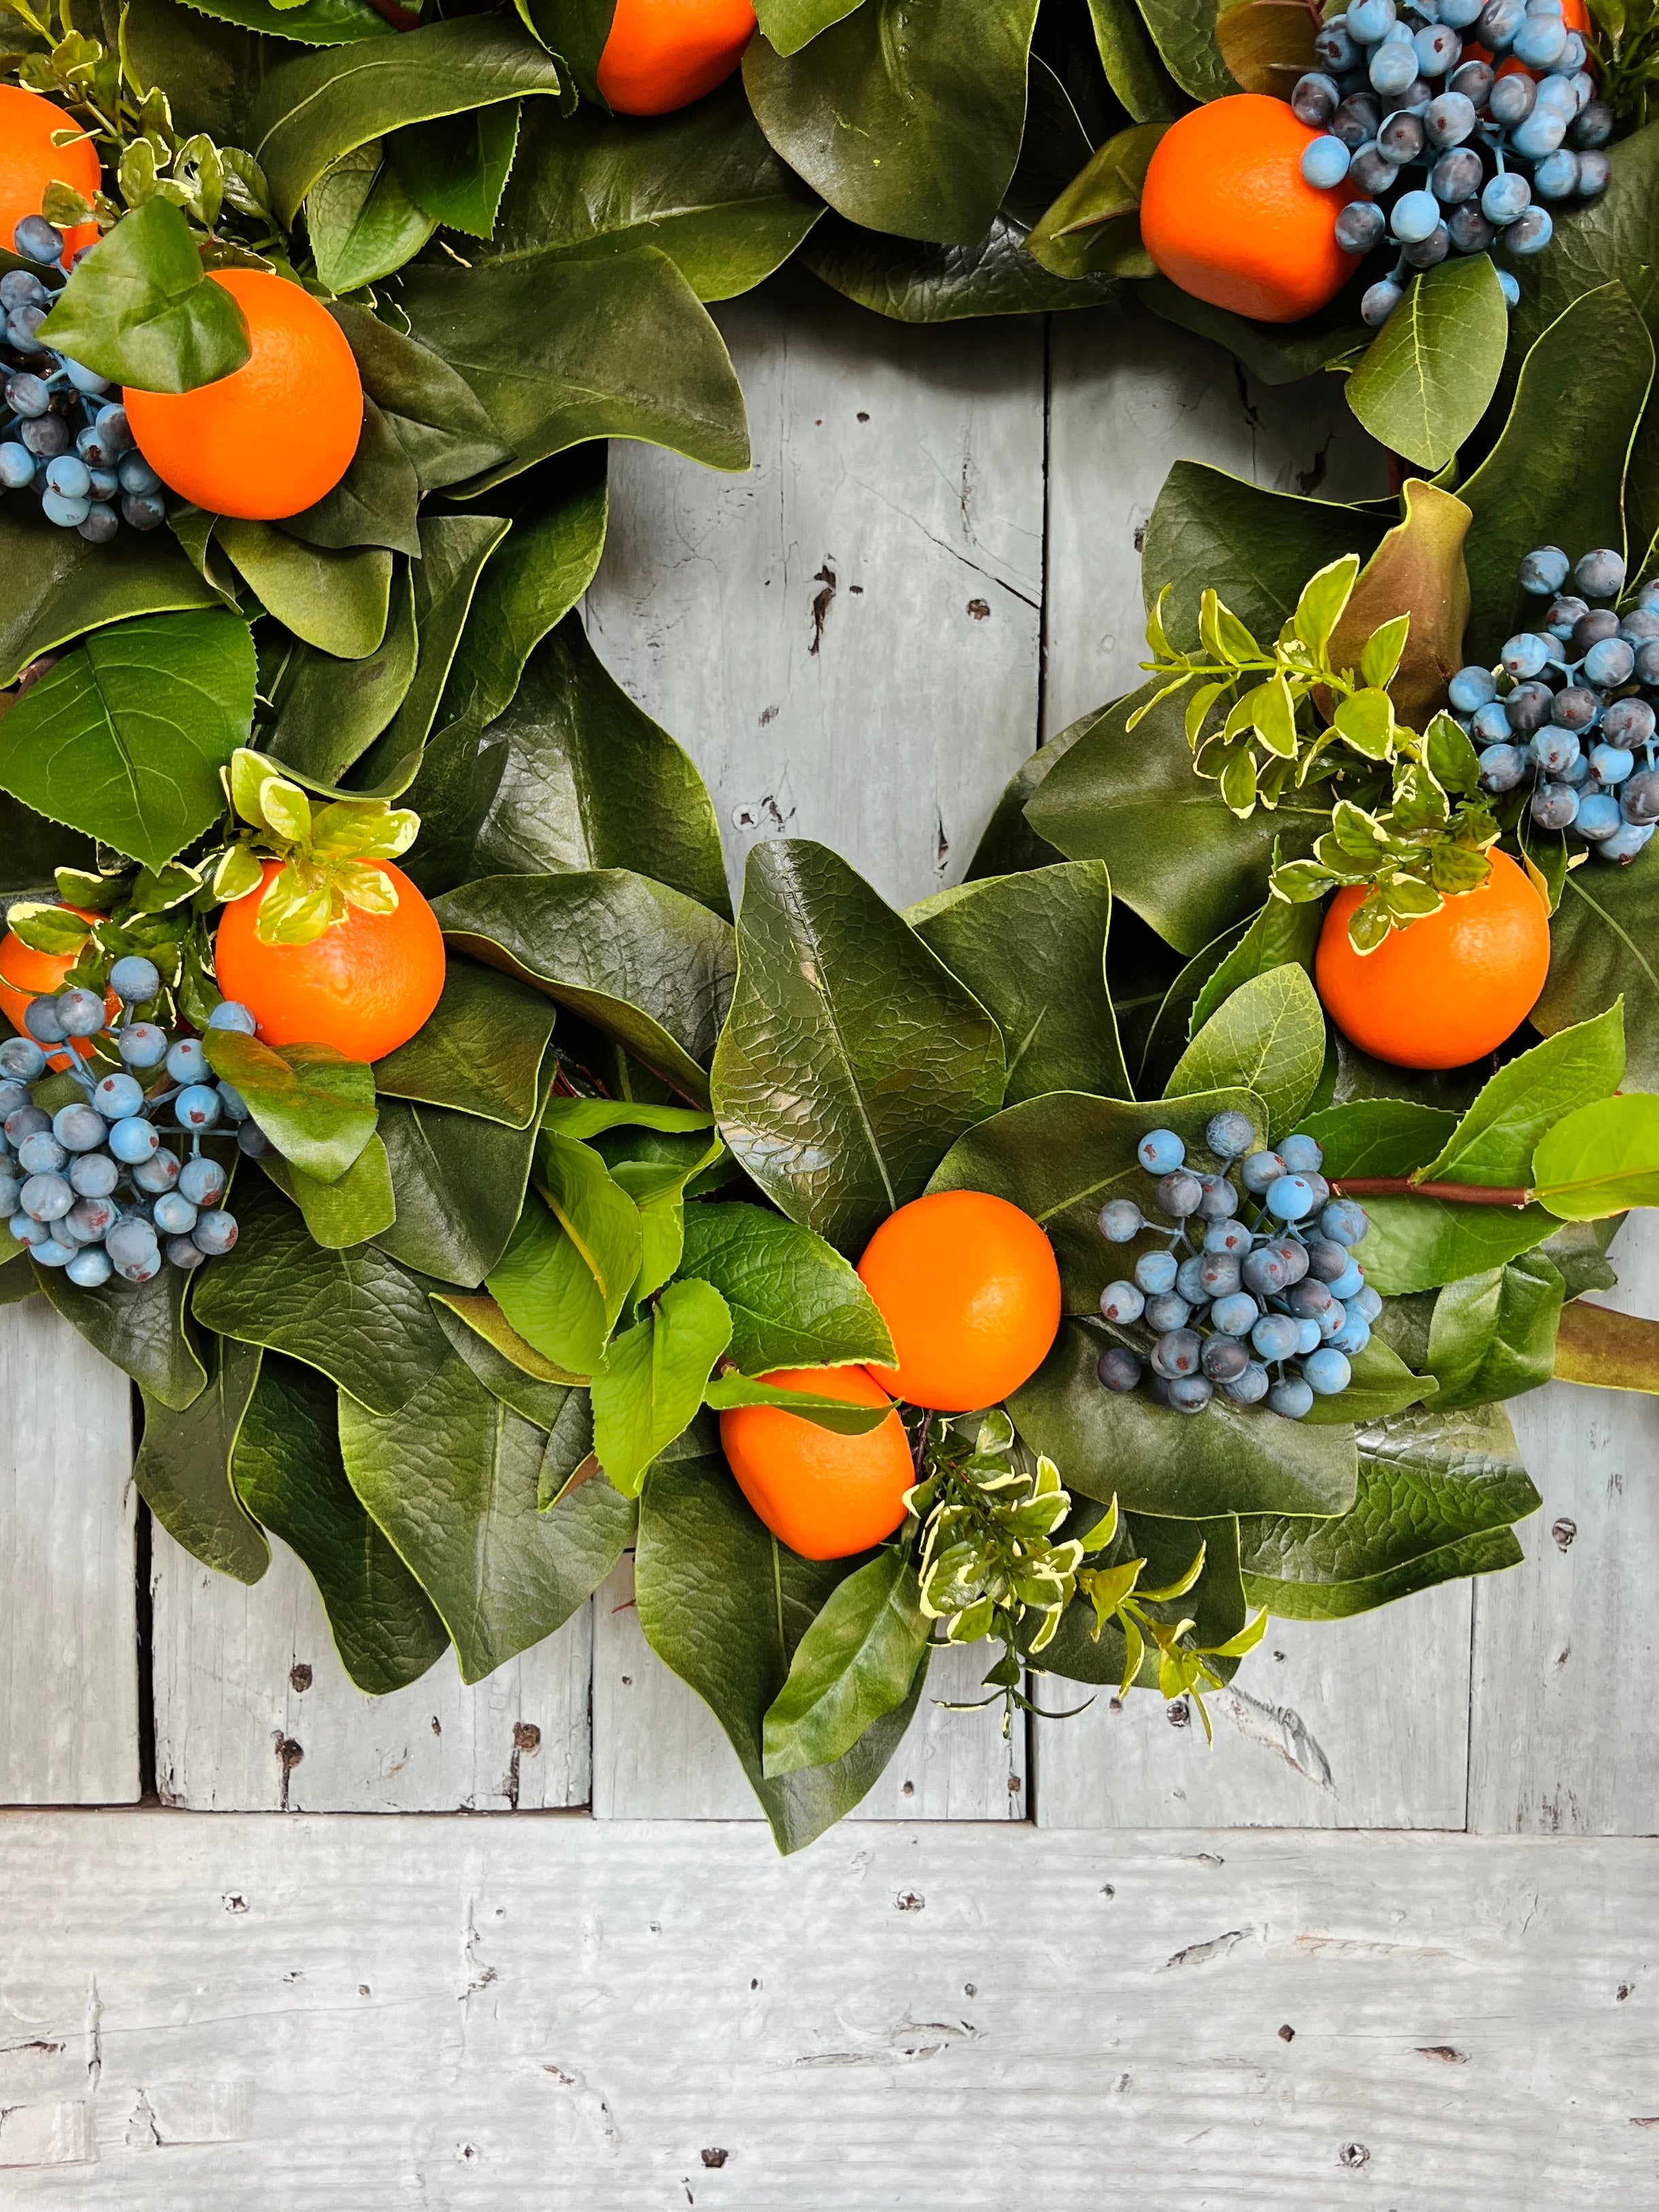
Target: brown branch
x,y
1463,1194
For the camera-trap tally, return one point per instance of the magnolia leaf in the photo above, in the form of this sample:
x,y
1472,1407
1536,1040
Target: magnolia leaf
x,y
854,1664
316,1106
139,309
651,1383
1410,606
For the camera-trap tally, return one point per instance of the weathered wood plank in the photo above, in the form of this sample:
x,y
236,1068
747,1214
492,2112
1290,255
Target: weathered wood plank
x,y
475,2016
1565,1736
658,1753
69,1637
255,1713
845,639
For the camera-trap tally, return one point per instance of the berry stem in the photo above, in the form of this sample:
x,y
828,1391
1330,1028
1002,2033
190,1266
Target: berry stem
x,y
1462,1194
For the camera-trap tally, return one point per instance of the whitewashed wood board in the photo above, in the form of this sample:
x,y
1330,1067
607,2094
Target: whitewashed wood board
x,y
484,2015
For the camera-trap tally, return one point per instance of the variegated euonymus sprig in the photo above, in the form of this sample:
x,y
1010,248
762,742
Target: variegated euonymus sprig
x,y
328,849
119,908
1116,1594
1407,817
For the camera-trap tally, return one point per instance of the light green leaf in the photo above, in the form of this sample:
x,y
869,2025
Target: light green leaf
x,y
595,1212
455,168
1433,367
726,1392
548,1295
651,1383
1494,1143
315,1105
794,1302
1602,1159
1268,1036
1280,935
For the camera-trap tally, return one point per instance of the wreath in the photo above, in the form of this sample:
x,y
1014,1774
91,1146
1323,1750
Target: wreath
x,y
1095,1259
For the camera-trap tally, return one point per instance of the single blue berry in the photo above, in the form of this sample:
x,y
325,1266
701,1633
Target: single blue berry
x,y
135,979
1119,1302
1292,1398
1160,1151
1118,1369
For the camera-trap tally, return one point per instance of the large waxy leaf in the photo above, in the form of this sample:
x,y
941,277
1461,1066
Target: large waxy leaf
x,y
1032,950
338,601
1268,1036
479,1051
1604,945
315,1105
909,282
701,185
139,1327
1592,366
287,1470
59,586
311,23
375,502
1229,1459
1060,1159
1133,67
140,311
1417,1244
1418,569
459,1182
1433,367
438,419
544,1403
548,1295
794,1302
330,711
1494,1334
477,1313
451,1479
652,1383
1437,1494
356,1206
362,220
1093,228
854,1664
124,738
575,343
1381,1383
852,1057
183,1469
1595,242
725,1604
457,167
589,780
791,24
1186,33
646,964
1085,1651
1276,353
905,118
320,105
355,1314
1602,1159
1494,1142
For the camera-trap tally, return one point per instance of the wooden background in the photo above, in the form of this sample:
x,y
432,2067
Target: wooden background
x,y
1037,1969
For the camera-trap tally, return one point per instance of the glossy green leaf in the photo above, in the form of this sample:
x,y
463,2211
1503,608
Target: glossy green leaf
x,y
1494,1334
547,1294
480,1316
1437,1494
582,1118
459,1182
852,1057
125,738
357,1315
288,1471
438,419
1185,31
1602,1159
1167,1018
356,1206
1604,945
656,1171
1229,1459
544,1403
183,1469
701,185
646,964
312,23
595,1212
1060,1159
457,167
1379,1136
1093,228
1593,366
375,502
1032,950
724,1606
905,120
315,1105
362,220
1133,67
1494,1142
791,24
140,311
1417,1244
1333,337
479,1051
139,1327
330,711
589,780
794,1302
910,282
319,106
1431,371
338,601
1268,1036
59,586
452,1479
651,1383
854,1665
566,345
1280,935
726,1392
1594,242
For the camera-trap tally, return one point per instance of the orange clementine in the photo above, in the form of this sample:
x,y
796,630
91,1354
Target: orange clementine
x,y
1227,215
825,1496
1447,989
277,434
29,162
365,986
25,973
969,1289
664,54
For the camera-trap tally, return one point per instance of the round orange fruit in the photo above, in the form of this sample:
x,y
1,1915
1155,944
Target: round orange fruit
x,y
29,162
1447,989
365,986
969,1289
276,434
1227,215
825,1496
25,974
664,54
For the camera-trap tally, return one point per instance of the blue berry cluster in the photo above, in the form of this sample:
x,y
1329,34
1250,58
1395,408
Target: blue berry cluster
x,y
1564,710
1257,1293
60,437
92,1189
1448,153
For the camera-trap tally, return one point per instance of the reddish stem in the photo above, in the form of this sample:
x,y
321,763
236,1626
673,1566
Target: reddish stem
x,y
1462,1194
399,18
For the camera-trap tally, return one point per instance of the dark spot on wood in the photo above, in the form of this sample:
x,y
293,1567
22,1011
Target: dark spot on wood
x,y
1211,1858
627,1681
907,1901
362,1989
1115,1704
970,1988
437,1725
980,610
1564,1532
1353,2155
821,603
863,417
753,1982
716,2157
36,2043
1107,1890
856,591
1013,1785
1308,480
527,1736
1141,538
768,714
1650,2121
655,1927
235,1904
1287,2033
1280,1655
1179,1715
1444,2053
288,1755
908,1789
299,1676
1622,1991
467,2152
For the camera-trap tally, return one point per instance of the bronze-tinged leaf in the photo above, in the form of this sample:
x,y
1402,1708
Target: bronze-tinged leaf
x,y
1609,1350
1417,570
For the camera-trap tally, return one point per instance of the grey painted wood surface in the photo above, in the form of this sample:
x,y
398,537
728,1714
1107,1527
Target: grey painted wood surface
x,y
486,2015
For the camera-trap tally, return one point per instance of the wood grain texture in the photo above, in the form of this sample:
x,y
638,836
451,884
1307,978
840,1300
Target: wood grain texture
x,y
847,639
1563,1736
618,2016
69,1639
660,1753
255,1713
